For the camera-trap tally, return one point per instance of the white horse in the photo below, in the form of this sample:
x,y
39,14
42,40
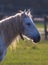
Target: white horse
x,y
18,24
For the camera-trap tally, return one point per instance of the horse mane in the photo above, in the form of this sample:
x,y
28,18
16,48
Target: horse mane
x,y
28,13
10,17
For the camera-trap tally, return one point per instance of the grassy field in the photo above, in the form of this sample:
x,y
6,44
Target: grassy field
x,y
27,53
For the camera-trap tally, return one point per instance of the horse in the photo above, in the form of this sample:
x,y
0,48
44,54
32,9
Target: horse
x,y
19,24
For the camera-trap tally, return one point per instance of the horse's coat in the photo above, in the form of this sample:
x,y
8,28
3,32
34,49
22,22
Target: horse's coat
x,y
18,24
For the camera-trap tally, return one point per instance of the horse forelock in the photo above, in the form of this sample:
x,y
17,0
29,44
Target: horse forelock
x,y
26,14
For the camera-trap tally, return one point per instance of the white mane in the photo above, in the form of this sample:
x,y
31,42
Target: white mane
x,y
10,17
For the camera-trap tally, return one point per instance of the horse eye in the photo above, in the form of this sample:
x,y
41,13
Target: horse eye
x,y
28,24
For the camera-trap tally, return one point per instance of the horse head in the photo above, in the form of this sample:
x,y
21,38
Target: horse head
x,y
28,26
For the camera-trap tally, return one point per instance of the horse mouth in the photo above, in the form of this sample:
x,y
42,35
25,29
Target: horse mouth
x,y
36,39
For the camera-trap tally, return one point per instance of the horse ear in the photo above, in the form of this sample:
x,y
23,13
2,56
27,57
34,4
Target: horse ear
x,y
23,15
24,10
28,11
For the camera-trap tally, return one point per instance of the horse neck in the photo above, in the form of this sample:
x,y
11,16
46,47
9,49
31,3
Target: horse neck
x,y
10,30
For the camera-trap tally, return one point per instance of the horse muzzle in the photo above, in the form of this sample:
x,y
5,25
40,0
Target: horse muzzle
x,y
36,39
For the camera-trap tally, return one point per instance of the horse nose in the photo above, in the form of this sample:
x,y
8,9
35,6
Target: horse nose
x,y
37,39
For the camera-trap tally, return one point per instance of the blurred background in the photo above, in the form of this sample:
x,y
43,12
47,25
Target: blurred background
x,y
25,52
38,7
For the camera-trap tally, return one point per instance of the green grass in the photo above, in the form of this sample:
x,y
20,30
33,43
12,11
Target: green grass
x,y
28,54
